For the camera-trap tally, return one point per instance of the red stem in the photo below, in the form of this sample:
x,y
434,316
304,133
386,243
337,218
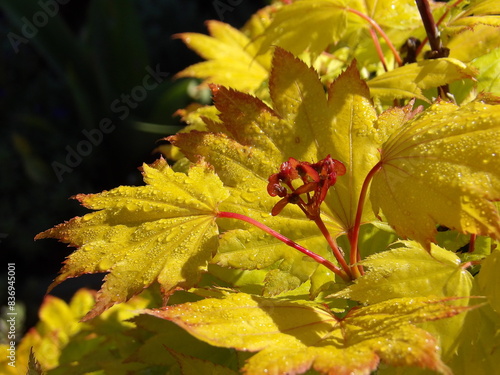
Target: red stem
x,y
472,243
336,251
318,258
466,265
378,48
354,232
380,31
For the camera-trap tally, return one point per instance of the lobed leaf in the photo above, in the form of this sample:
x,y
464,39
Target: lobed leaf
x,y
333,22
443,167
303,123
325,24
403,14
251,141
409,80
489,77
231,58
472,14
164,231
292,337
473,43
410,271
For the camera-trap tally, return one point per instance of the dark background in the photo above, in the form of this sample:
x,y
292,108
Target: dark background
x,y
62,81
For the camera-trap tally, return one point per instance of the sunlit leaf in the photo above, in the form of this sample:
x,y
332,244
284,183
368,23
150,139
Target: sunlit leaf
x,y
442,168
304,123
231,56
291,337
397,14
331,22
473,43
164,231
489,72
325,24
472,14
409,80
410,271
236,298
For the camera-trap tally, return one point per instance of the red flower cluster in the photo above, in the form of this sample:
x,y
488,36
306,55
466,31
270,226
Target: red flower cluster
x,y
317,179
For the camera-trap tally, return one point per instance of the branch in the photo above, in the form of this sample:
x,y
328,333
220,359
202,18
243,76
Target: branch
x,y
431,29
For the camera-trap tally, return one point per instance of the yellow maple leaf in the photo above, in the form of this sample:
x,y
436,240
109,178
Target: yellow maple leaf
x,y
294,336
409,80
252,140
330,23
410,271
164,231
231,58
442,168
471,14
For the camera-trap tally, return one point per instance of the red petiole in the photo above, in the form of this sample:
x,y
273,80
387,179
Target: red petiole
x,y
354,231
381,32
317,258
336,251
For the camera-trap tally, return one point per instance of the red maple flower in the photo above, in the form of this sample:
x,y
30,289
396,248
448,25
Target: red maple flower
x,y
317,179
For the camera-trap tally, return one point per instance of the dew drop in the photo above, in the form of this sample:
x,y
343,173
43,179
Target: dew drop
x,y
173,233
249,197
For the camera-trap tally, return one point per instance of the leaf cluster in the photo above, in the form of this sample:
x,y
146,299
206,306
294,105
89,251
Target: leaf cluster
x,y
398,268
